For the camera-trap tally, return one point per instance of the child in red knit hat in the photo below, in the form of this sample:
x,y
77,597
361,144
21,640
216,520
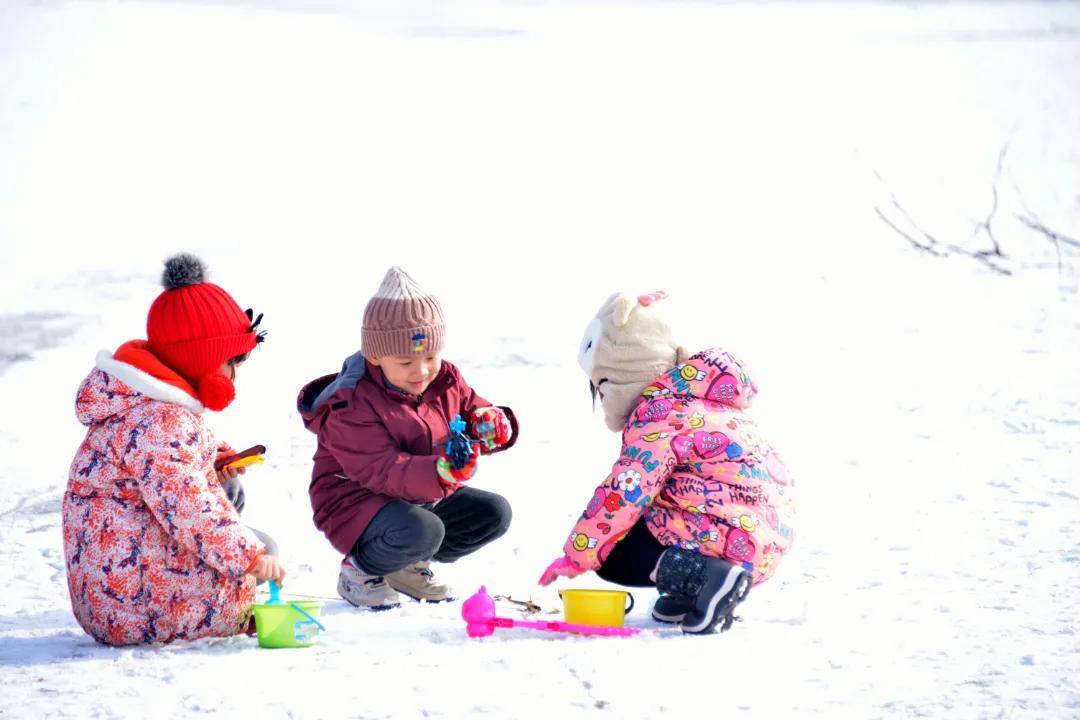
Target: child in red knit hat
x,y
386,490
155,551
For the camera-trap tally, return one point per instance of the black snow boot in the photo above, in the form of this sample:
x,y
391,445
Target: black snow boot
x,y
671,608
716,586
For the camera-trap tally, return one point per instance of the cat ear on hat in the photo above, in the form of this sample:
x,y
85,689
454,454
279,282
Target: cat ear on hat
x,y
261,335
625,305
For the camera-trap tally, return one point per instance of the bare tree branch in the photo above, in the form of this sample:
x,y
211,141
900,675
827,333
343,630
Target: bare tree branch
x,y
915,243
1031,220
1056,238
987,224
1034,223
934,246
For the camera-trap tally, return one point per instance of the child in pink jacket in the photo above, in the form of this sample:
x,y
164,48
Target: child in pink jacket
x,y
155,550
698,503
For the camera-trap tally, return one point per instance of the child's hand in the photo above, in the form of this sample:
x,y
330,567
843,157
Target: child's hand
x,y
563,567
448,476
491,425
268,567
228,473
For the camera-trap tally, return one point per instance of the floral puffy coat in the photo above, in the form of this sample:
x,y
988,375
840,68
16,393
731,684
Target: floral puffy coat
x,y
154,550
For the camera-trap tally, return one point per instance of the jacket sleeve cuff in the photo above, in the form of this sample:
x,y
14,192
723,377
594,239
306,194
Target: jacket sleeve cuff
x,y
513,426
255,559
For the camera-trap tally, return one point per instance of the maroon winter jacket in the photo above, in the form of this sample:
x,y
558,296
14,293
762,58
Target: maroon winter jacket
x,y
377,443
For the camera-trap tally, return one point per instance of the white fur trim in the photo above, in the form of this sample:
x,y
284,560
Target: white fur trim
x,y
145,383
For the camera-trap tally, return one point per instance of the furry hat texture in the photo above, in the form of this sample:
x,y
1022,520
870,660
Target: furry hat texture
x,y
626,346
182,270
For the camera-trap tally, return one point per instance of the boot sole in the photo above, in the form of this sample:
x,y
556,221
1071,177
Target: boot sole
x,y
660,617
448,598
364,606
374,608
722,602
676,610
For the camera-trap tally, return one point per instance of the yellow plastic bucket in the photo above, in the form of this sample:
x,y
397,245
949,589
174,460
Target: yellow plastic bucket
x,y
596,607
281,625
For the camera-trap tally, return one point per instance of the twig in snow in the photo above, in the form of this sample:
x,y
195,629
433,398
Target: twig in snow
x,y
986,225
527,606
1034,222
933,245
931,248
1055,237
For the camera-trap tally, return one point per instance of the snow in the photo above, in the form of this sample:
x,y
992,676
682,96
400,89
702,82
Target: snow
x,y
523,160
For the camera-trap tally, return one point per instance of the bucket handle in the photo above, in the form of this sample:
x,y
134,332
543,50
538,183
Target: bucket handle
x,y
628,607
310,617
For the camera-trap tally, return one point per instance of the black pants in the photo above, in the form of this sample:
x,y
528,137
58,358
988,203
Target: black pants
x,y
633,558
402,533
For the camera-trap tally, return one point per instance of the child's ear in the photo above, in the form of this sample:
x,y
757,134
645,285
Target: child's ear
x,y
624,305
374,361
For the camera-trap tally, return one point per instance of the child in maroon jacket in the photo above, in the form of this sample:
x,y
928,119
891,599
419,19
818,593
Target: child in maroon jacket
x,y
384,490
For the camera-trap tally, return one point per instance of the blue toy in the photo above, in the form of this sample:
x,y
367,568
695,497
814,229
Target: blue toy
x,y
459,447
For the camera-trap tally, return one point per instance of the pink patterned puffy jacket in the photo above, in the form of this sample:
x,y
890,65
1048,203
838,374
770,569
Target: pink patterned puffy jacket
x,y
695,466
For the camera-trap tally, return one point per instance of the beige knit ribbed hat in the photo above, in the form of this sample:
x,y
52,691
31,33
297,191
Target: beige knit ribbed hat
x,y
401,319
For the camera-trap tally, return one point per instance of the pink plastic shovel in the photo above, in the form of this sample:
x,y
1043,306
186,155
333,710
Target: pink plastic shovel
x,y
481,621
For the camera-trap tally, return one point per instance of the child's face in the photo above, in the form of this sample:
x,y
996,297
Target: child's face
x,y
228,369
411,373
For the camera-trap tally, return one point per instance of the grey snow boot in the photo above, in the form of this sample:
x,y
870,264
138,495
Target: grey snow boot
x,y
716,586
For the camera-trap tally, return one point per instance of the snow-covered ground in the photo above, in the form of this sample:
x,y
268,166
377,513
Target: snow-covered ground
x,y
761,162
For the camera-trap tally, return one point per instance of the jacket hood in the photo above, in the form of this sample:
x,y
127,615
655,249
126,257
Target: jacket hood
x,y
713,375
331,392
313,401
115,387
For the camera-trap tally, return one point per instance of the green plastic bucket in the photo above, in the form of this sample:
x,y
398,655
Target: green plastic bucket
x,y
283,626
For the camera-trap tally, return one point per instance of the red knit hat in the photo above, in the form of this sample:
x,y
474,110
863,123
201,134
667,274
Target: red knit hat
x,y
195,327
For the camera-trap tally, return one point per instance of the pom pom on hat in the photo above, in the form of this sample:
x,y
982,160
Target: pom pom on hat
x,y
183,270
216,391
